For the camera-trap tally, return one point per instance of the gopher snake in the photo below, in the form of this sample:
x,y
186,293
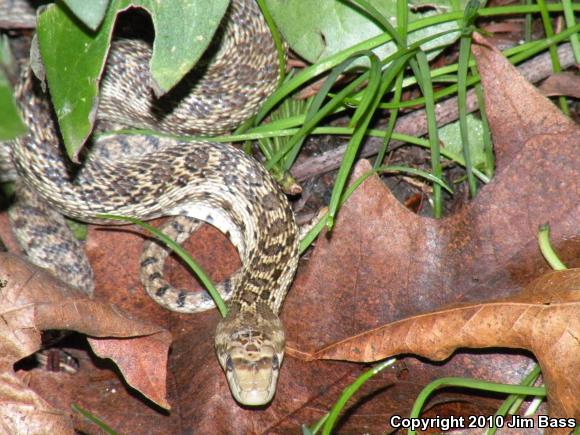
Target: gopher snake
x,y
150,176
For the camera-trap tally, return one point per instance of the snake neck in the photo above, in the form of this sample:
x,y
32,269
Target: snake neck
x,y
249,343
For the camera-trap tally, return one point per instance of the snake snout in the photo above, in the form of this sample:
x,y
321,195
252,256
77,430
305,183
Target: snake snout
x,y
250,349
253,373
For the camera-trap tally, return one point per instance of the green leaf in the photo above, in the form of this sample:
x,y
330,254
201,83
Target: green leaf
x,y
73,61
74,56
316,33
183,29
450,135
11,124
90,13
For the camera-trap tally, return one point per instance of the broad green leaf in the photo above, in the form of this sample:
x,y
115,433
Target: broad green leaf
x,y
74,56
73,61
183,29
11,125
450,135
90,13
316,33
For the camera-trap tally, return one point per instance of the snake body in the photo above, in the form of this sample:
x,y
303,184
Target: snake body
x,y
152,176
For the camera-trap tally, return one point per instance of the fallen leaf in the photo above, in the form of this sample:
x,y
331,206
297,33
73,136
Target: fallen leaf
x,y
142,361
565,83
32,301
544,319
23,411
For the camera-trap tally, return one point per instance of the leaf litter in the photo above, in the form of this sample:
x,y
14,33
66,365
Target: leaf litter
x,y
382,268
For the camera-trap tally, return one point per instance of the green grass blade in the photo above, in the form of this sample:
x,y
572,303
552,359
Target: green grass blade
x,y
378,17
293,153
341,131
367,106
512,399
547,250
317,426
570,22
528,24
291,112
315,114
393,116
314,71
549,30
421,70
463,65
93,419
403,19
464,53
349,391
487,142
473,384
519,56
401,39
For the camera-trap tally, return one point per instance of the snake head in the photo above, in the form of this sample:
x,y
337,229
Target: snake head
x,y
250,352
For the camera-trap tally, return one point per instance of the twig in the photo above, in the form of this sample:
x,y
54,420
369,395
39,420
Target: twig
x,y
415,124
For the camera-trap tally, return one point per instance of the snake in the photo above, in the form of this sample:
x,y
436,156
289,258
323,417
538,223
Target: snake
x,y
147,176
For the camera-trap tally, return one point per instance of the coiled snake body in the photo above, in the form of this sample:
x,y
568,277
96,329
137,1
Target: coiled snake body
x,y
150,176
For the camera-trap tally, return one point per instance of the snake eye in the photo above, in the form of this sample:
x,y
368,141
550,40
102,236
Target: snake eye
x,y
275,363
229,364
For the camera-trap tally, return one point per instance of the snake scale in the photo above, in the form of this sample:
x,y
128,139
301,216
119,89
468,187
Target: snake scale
x,y
148,176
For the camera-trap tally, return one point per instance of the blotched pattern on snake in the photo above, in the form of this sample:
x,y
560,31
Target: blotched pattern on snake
x,y
153,176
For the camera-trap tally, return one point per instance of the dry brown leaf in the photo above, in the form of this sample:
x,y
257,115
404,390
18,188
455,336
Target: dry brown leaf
x,y
22,286
142,360
32,300
564,83
24,412
544,319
